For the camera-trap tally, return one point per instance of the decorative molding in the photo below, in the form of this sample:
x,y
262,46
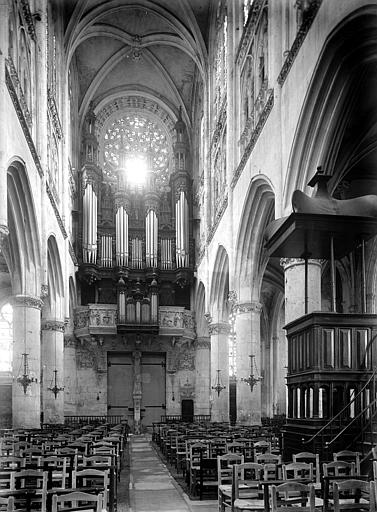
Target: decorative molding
x,y
254,137
28,17
28,301
218,328
219,214
72,253
310,15
208,318
53,111
56,211
13,75
220,124
249,29
187,390
53,325
21,117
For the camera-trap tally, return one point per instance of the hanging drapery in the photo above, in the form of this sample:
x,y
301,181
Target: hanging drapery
x,y
151,237
121,234
166,253
182,231
89,225
106,251
136,253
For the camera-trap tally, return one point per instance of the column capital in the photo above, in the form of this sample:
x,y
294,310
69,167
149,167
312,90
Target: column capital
x,y
248,307
219,328
53,325
203,342
29,301
292,262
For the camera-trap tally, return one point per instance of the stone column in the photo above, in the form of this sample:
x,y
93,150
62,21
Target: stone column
x,y
247,329
26,405
202,375
53,359
294,277
4,13
219,333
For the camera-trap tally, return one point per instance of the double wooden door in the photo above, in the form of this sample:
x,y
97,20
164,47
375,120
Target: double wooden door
x,y
121,379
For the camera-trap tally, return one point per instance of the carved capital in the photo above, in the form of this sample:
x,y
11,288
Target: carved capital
x,y
203,342
53,325
219,328
248,307
291,262
27,301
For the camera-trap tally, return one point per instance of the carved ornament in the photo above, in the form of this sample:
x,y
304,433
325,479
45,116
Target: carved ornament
x,y
310,15
27,301
203,342
44,291
52,325
254,137
219,328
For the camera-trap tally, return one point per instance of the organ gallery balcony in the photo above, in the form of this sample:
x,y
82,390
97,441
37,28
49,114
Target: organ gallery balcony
x,y
99,320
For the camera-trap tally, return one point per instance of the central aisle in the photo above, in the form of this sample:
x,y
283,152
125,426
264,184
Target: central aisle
x,y
152,488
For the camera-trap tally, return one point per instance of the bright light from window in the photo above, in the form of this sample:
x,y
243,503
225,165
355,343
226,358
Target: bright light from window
x,y
6,338
136,169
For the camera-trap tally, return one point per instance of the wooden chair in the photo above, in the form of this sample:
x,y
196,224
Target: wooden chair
x,y
355,495
349,456
207,482
11,462
331,471
298,471
314,458
261,447
93,478
35,480
7,504
195,454
91,502
245,492
291,496
225,477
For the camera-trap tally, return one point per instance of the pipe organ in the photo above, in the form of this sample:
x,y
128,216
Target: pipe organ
x,y
144,233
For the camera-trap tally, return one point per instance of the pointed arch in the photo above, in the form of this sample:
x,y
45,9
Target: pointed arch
x,y
24,256
220,285
54,277
345,68
258,211
201,322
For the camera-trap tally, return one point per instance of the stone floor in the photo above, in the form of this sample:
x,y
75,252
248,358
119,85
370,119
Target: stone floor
x,y
146,484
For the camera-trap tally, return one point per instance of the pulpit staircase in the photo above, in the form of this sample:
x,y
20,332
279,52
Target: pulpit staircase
x,y
358,433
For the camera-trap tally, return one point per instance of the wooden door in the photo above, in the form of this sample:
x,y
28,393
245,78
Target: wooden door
x,y
120,385
187,410
153,378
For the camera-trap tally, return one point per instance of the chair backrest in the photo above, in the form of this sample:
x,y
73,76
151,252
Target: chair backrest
x,y
261,447
298,470
248,473
291,496
354,495
11,462
94,501
349,456
224,466
271,471
31,478
339,468
235,447
7,504
268,458
310,457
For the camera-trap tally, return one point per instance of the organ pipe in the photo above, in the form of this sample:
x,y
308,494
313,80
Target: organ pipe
x,y
182,231
106,250
151,236
121,226
89,225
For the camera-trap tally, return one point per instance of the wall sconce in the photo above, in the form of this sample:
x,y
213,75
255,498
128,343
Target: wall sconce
x,y
218,387
252,378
